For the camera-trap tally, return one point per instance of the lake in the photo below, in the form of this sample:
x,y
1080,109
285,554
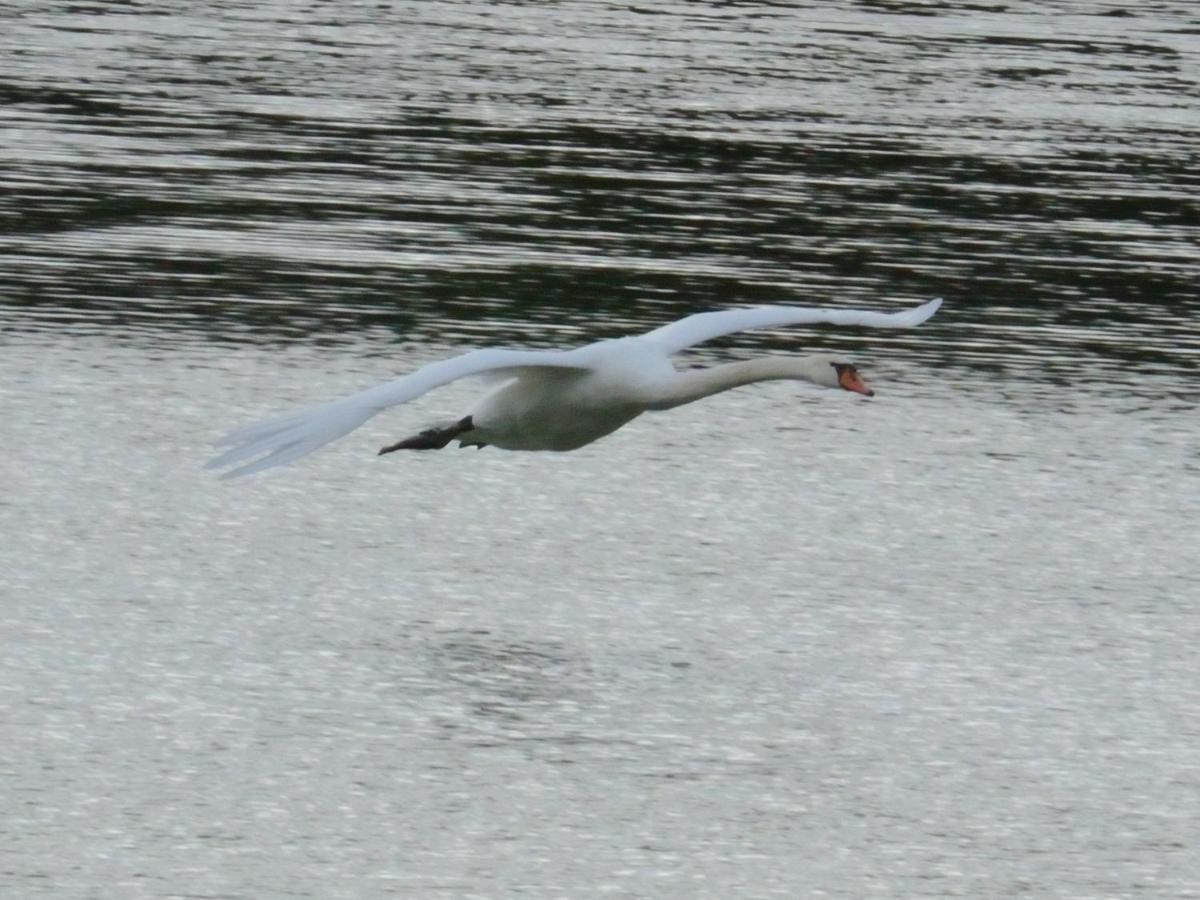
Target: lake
x,y
781,643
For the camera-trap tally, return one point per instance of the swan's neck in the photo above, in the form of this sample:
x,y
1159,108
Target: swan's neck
x,y
696,384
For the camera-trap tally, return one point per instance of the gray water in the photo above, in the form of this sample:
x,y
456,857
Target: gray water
x,y
782,643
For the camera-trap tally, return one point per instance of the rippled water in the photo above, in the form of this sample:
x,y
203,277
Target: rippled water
x,y
780,643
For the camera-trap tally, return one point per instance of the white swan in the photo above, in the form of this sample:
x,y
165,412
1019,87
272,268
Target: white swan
x,y
563,399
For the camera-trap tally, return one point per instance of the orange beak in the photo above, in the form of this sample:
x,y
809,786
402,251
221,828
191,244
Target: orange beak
x,y
849,379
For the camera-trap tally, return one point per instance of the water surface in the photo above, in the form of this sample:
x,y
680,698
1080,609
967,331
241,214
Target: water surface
x,y
781,643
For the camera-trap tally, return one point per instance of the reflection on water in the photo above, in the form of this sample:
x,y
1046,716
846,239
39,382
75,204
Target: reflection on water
x,y
938,643
470,172
940,634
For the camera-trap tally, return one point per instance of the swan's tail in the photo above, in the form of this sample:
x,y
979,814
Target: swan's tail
x,y
286,438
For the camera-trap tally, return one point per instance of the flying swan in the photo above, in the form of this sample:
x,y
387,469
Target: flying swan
x,y
563,399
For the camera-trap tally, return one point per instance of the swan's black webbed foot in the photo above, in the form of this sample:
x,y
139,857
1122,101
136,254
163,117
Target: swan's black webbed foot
x,y
431,438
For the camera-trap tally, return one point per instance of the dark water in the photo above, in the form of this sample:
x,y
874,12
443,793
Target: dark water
x,y
937,644
464,171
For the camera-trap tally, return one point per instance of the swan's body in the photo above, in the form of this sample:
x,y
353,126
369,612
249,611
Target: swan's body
x,y
561,400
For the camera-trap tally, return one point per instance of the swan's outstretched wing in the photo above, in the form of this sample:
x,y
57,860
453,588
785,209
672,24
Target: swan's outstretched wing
x,y
705,326
286,438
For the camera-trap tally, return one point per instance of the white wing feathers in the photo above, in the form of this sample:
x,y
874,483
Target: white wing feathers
x,y
286,438
705,326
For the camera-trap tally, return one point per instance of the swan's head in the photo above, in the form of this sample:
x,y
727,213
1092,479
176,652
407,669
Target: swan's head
x,y
848,379
829,371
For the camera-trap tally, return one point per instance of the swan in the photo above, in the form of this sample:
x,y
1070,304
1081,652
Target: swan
x,y
563,399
